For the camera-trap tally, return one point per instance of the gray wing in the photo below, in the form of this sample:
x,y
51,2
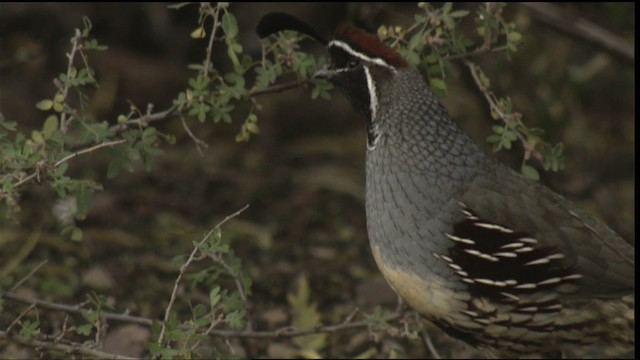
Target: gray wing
x,y
572,241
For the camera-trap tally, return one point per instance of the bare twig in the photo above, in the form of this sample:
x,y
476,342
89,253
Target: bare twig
x,y
64,123
582,29
214,29
19,317
74,309
193,137
278,88
30,274
88,150
149,118
70,348
427,340
477,52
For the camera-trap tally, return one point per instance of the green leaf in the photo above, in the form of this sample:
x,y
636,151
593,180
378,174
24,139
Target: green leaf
x,y
58,107
431,58
229,24
494,138
29,328
44,105
417,42
198,33
76,234
199,310
178,6
459,13
37,137
437,84
514,37
446,7
84,329
214,297
83,200
50,125
530,172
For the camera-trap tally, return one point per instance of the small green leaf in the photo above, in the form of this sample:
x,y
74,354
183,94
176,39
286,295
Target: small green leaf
x,y
50,125
214,297
83,200
229,24
459,13
252,128
198,33
446,7
437,84
44,105
514,37
177,6
431,58
37,137
76,234
84,329
530,172
29,328
494,138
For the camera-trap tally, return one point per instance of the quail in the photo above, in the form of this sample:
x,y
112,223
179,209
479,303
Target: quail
x,y
489,256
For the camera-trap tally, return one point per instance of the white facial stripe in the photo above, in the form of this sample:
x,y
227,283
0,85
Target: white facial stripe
x,y
373,105
373,102
361,56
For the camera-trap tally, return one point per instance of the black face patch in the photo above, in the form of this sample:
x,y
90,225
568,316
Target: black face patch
x,y
342,60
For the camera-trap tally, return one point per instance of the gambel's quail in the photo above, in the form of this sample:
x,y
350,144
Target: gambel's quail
x,y
489,256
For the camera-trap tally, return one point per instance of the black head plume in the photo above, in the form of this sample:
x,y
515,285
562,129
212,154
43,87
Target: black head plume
x,y
275,22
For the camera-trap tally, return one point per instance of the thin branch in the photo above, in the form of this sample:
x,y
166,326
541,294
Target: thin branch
x,y
75,309
193,137
183,269
20,316
427,341
582,29
214,30
64,123
69,157
507,118
88,150
26,179
477,52
30,274
285,332
71,348
143,120
279,87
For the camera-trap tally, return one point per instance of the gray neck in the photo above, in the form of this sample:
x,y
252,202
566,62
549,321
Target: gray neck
x,y
417,135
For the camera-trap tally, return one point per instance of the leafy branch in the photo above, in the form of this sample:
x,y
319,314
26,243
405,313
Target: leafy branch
x,y
434,40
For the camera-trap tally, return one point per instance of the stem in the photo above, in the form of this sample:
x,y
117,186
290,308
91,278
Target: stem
x,y
64,123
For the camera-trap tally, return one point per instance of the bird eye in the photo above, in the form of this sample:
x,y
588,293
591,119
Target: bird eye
x,y
353,62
